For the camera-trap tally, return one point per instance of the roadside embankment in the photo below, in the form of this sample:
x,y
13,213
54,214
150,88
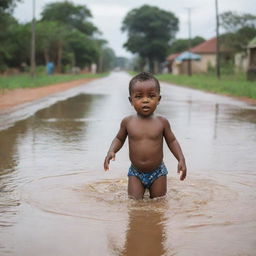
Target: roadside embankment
x,y
235,86
13,97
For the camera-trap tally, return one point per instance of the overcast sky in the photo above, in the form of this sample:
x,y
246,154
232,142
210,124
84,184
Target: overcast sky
x,y
109,14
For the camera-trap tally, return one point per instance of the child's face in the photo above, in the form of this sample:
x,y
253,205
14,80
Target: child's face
x,y
145,97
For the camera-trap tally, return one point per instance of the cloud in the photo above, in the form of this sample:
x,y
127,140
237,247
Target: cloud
x,y
108,19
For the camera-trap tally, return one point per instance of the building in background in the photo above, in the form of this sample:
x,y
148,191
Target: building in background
x,y
207,52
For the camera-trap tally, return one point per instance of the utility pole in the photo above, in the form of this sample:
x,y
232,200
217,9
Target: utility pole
x,y
189,41
217,41
33,43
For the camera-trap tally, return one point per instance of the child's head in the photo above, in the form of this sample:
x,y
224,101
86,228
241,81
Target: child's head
x,y
144,90
141,77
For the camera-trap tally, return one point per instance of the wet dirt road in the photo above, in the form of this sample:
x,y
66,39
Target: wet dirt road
x,y
56,199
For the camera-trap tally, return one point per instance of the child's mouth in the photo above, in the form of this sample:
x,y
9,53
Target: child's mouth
x,y
146,108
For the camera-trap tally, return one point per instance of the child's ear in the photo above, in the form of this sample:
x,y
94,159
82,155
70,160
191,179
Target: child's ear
x,y
130,99
159,98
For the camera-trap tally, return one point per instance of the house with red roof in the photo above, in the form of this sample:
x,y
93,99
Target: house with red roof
x,y
207,51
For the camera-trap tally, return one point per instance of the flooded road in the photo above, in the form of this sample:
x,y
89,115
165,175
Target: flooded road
x,y
56,199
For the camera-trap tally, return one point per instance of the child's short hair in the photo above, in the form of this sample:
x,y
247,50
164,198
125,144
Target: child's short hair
x,y
143,76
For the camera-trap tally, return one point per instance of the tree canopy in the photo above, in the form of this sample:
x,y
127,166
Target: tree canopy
x,y
64,35
8,43
181,45
73,16
150,31
239,29
6,4
233,21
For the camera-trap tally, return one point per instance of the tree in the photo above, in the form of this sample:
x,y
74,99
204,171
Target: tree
x,y
74,34
51,40
19,45
239,29
7,4
6,47
73,16
7,22
232,21
84,50
108,59
122,62
64,35
181,45
150,30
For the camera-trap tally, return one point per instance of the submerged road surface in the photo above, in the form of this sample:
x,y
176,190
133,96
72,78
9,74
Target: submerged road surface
x,y
56,199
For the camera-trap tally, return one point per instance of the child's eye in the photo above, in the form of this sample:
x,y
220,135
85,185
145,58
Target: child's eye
x,y
152,96
137,96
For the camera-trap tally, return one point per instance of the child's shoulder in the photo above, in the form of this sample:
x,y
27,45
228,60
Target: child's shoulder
x,y
162,119
128,118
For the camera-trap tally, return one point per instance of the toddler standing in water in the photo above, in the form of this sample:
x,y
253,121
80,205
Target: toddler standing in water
x,y
145,132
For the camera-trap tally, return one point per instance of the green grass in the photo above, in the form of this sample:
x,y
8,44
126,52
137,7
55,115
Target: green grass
x,y
233,85
26,81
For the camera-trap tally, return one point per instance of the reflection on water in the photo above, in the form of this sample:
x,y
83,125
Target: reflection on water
x,y
145,234
29,144
54,192
9,159
65,118
200,206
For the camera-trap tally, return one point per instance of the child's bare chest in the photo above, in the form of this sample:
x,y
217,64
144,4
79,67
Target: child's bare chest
x,y
141,130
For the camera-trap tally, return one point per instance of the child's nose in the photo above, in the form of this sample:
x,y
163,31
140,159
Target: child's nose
x,y
145,99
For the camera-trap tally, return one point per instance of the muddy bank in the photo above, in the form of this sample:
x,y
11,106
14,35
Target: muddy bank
x,y
11,98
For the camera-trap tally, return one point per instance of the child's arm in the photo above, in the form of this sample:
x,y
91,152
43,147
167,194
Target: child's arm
x,y
175,148
116,144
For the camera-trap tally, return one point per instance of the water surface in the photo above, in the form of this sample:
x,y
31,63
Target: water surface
x,y
55,198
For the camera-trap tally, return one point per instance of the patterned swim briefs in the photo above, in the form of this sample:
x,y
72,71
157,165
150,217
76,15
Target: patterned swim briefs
x,y
148,178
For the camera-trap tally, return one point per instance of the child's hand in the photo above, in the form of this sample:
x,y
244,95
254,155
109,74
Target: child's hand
x,y
182,169
110,156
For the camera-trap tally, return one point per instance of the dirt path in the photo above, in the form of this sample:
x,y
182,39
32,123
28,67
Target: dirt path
x,y
11,98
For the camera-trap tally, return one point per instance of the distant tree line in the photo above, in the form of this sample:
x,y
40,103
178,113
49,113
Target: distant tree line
x,y
152,31
64,35
239,29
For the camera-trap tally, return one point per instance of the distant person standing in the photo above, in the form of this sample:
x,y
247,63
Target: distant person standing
x,y
50,67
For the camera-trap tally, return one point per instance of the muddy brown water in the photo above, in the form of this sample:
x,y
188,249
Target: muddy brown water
x,y
55,198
